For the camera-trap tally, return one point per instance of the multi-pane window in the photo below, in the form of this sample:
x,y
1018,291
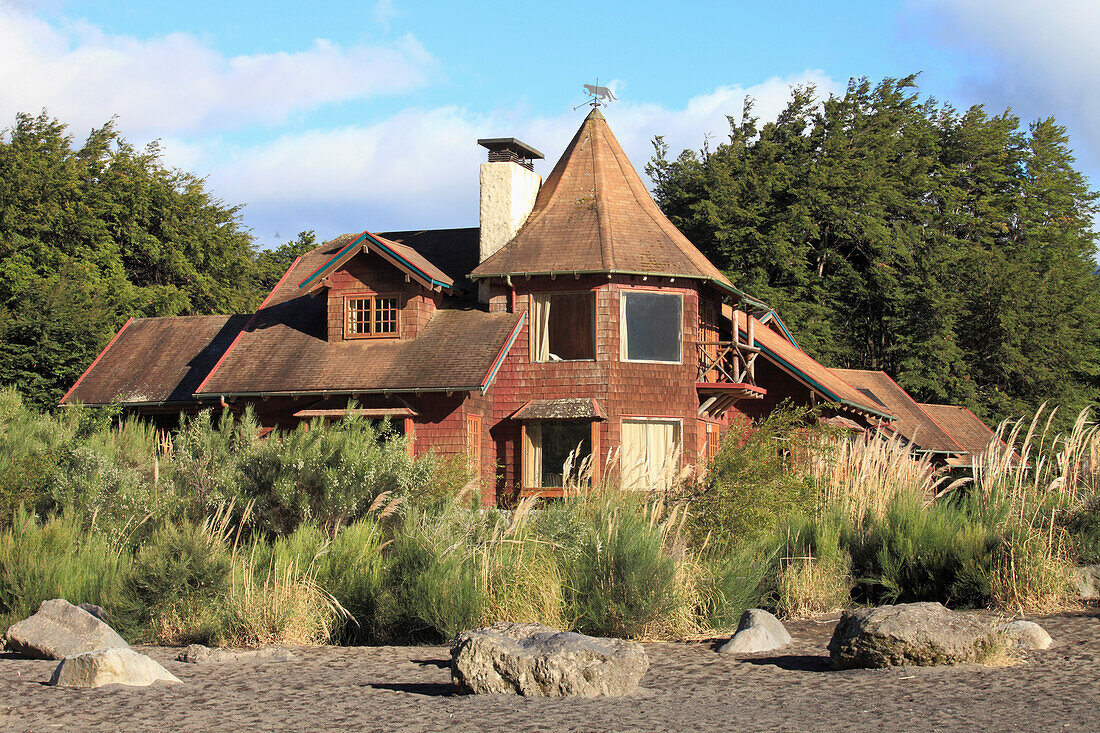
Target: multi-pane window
x,y
371,315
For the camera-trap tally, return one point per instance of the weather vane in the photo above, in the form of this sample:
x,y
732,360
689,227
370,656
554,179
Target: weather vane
x,y
600,96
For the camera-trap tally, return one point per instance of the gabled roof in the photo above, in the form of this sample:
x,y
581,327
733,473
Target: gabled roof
x,y
594,215
156,360
800,365
966,428
913,423
401,256
284,349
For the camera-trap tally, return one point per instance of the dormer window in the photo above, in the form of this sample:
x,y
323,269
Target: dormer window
x,y
370,316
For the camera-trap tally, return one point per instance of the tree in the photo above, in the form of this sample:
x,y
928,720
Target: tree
x,y
952,251
90,236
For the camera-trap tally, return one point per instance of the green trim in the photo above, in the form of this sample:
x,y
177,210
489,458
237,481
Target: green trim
x,y
410,265
334,258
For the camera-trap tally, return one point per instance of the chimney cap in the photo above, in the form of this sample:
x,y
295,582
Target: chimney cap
x,y
510,145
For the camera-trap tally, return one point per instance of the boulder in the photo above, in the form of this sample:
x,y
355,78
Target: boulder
x,y
199,654
1025,635
58,630
1087,581
758,631
109,667
918,634
95,610
539,661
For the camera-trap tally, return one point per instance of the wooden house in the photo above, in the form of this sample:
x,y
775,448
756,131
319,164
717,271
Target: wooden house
x,y
576,315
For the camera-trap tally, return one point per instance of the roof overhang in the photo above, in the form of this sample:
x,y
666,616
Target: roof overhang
x,y
367,241
720,284
569,408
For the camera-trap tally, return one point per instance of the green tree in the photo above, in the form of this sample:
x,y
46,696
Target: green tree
x,y
953,251
94,234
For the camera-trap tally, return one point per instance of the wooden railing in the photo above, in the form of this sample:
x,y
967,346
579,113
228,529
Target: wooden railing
x,y
730,362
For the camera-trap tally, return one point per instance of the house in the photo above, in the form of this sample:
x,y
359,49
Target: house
x,y
576,316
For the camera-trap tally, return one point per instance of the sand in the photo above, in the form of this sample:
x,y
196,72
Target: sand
x,y
688,687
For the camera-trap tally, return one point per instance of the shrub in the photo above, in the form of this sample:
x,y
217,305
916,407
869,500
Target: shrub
x,y
811,567
757,480
731,584
175,584
57,558
621,582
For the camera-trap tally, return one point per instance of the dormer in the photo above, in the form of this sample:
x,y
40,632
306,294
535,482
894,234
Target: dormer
x,y
377,289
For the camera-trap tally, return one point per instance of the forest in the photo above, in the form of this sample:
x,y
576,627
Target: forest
x,y
953,250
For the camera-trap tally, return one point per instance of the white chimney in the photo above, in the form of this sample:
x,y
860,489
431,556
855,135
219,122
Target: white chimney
x,y
509,186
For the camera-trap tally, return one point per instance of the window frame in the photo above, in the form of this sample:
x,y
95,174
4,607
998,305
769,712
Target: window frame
x,y
623,339
372,298
592,293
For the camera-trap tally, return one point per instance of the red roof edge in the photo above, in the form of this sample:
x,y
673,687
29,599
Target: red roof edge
x,y
92,365
489,375
202,385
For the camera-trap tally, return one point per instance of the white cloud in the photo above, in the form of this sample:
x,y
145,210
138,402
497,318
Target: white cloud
x,y
1040,58
419,168
176,84
384,12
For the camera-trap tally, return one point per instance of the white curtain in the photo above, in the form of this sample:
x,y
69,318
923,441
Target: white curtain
x,y
649,452
532,455
540,327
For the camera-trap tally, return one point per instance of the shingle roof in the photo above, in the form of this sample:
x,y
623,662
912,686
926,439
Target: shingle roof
x,y
779,350
284,348
913,423
156,360
973,435
454,251
594,214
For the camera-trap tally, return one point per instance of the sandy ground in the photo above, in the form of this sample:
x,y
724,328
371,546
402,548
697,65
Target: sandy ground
x,y
688,687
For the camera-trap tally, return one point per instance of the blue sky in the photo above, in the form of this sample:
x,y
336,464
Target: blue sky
x,y
351,115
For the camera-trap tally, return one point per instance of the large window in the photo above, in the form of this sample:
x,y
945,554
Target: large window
x,y
650,329
563,327
548,448
370,316
650,453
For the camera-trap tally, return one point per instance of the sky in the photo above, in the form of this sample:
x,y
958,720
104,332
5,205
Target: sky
x,y
365,115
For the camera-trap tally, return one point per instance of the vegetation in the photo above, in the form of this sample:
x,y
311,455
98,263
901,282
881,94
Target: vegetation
x,y
954,250
93,234
210,535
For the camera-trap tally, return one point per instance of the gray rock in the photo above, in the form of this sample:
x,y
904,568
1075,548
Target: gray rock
x,y
1087,581
918,634
1025,635
58,630
109,667
758,631
199,654
538,661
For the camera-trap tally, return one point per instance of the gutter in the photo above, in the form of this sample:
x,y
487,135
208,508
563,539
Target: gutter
x,y
713,281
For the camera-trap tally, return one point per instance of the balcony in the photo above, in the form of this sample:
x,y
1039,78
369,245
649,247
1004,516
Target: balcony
x,y
726,375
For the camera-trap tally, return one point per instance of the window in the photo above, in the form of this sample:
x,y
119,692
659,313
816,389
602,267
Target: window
x,y
371,316
650,328
473,441
563,327
650,453
547,448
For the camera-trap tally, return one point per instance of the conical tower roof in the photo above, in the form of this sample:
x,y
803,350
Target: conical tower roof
x,y
594,215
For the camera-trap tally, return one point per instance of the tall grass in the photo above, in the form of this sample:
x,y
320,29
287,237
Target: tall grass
x,y
58,558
